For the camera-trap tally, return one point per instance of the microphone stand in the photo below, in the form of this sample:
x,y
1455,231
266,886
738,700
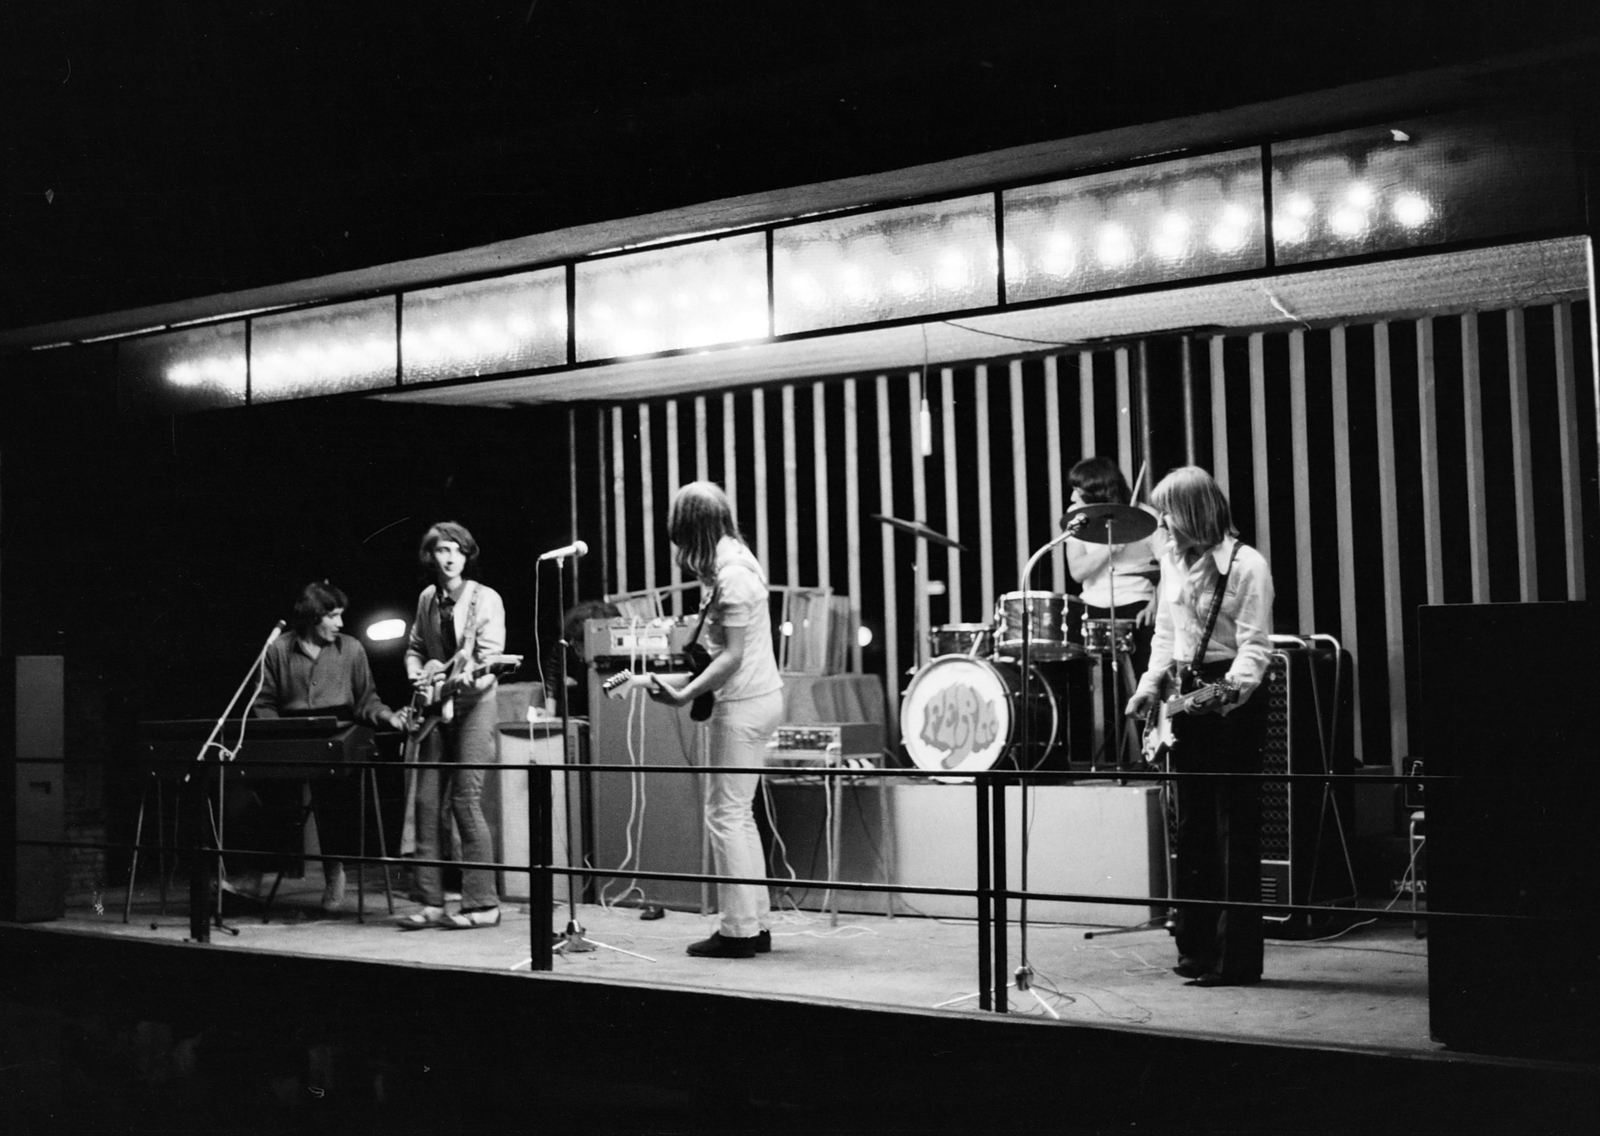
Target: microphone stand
x,y
573,940
199,927
1024,975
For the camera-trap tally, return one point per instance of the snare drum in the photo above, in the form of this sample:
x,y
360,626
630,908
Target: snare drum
x,y
960,639
1097,635
962,714
1046,617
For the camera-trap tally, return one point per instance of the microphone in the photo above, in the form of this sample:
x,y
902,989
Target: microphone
x,y
575,549
277,631
1072,522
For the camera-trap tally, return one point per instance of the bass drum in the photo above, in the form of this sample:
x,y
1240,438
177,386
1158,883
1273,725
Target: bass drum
x,y
963,714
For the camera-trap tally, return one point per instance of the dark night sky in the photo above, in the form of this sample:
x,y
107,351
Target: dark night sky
x,y
155,151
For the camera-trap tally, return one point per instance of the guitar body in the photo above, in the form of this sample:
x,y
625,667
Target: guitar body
x,y
433,700
1192,697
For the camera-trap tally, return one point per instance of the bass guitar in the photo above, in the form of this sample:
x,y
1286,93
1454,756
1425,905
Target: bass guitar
x,y
623,682
1211,698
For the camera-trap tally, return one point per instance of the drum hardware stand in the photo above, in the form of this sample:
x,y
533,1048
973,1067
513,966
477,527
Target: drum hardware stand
x,y
923,533
573,940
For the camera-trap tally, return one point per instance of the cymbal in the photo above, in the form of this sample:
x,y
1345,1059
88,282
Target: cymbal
x,y
917,528
1110,523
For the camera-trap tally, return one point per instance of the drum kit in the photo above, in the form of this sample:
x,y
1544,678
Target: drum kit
x,y
988,695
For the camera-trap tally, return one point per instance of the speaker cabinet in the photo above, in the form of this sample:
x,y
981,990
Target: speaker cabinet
x,y
645,821
33,737
1505,694
1306,826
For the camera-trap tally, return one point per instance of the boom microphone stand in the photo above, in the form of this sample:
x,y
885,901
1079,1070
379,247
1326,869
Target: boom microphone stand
x,y
199,926
573,940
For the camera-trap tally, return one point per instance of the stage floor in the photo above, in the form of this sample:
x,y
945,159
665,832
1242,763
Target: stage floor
x,y
1364,990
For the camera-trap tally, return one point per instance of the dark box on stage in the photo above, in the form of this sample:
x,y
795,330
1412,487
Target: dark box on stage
x,y
33,744
1512,777
1306,826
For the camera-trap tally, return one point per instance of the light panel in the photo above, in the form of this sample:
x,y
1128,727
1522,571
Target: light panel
x,y
196,368
670,299
1420,182
1164,221
327,350
485,327
891,264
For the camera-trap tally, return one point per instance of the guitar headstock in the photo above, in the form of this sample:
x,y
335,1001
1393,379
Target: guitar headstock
x,y
615,683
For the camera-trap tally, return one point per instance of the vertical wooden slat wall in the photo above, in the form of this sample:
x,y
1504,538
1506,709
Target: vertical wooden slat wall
x,y
1359,408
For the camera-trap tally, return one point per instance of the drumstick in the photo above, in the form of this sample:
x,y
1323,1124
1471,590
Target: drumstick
x,y
1143,467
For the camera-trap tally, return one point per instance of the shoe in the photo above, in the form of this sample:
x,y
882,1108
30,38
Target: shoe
x,y
246,884
417,920
721,946
1212,978
764,943
469,917
332,886
1187,969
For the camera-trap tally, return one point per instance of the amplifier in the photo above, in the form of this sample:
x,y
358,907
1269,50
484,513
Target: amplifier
x,y
637,644
827,743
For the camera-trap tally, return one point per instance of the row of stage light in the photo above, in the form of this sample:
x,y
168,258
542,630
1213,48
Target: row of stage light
x,y
1186,218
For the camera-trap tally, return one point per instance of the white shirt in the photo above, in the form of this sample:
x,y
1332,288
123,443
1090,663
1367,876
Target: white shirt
x,y
1127,559
1244,623
741,601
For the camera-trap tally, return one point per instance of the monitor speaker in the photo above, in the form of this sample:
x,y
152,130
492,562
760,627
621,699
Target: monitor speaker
x,y
33,746
1511,796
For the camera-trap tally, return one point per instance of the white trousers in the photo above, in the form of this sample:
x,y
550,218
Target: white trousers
x,y
737,734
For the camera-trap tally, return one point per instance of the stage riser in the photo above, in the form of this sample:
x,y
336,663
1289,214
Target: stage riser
x,y
1087,839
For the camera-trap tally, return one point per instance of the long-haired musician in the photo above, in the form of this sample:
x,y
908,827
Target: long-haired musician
x,y
1213,622
459,624
743,675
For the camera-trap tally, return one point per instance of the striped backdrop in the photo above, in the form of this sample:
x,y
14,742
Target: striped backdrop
x,y
1378,466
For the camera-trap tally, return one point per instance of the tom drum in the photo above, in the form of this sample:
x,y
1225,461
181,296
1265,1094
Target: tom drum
x,y
960,639
1045,615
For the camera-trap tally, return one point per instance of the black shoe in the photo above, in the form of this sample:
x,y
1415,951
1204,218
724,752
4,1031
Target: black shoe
x,y
721,946
1212,978
1188,970
764,943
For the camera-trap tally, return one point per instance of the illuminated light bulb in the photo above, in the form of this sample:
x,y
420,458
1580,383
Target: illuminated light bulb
x,y
1360,195
1289,230
1348,221
806,290
717,294
1236,215
1228,238
1412,209
480,329
1016,266
601,313
864,636
786,628
380,350
904,283
1114,249
519,325
1060,257
643,307
557,318
1171,240
682,300
1298,205
183,375
952,270
385,630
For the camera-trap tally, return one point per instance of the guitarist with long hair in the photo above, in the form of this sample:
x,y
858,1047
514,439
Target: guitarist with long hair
x,y
742,674
460,625
1209,654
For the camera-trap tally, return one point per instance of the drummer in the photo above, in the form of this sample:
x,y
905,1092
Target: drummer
x,y
1098,481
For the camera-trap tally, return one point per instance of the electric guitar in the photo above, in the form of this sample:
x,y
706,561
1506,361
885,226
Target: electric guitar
x,y
623,682
436,698
1208,699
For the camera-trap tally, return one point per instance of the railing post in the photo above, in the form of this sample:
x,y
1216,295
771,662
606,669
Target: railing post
x,y
997,897
541,891
985,897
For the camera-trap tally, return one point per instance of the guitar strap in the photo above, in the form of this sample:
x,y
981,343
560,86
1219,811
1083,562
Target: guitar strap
x,y
1216,608
705,610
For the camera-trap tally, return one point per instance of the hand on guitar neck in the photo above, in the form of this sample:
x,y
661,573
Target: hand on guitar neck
x,y
625,682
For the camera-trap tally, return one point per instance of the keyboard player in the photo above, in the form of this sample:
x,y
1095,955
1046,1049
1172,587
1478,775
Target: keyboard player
x,y
315,668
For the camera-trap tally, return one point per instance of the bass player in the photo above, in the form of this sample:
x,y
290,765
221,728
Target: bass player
x,y
1213,622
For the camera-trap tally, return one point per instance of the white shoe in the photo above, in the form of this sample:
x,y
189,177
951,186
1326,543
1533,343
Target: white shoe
x,y
332,886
